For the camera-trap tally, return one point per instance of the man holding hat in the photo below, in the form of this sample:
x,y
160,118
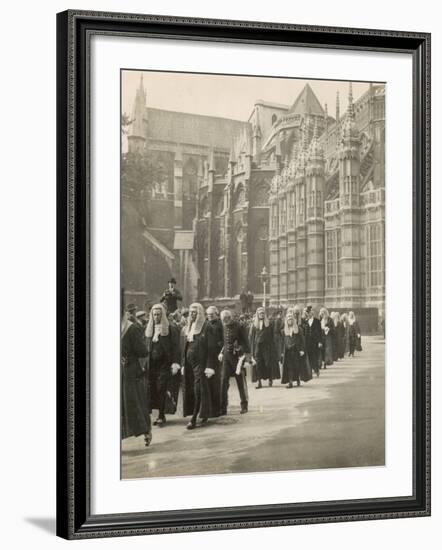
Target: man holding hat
x,y
171,296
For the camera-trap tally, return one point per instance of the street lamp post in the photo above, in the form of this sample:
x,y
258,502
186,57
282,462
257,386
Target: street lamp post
x,y
264,276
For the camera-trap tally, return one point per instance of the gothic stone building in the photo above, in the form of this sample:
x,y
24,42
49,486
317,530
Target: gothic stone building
x,y
162,243
293,190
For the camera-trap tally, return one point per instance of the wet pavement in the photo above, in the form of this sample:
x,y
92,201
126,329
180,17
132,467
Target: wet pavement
x,y
336,420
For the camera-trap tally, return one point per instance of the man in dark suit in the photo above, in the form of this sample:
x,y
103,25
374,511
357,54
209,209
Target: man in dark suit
x,y
171,297
235,346
313,339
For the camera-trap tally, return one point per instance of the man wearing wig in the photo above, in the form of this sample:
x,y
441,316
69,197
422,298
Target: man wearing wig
x,y
235,349
328,330
294,368
263,349
163,362
196,391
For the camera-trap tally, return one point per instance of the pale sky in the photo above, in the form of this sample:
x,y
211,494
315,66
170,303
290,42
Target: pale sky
x,y
227,96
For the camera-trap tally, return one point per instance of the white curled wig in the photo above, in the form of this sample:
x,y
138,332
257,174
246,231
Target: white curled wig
x,y
196,326
351,317
151,323
324,316
294,328
336,317
256,320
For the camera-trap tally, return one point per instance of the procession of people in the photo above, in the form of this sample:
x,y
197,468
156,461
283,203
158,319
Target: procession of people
x,y
196,352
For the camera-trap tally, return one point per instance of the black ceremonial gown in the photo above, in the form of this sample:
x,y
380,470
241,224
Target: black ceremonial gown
x,y
263,350
195,382
294,365
163,386
135,407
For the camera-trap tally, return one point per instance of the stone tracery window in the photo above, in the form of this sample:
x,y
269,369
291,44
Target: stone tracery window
x,y
375,245
262,194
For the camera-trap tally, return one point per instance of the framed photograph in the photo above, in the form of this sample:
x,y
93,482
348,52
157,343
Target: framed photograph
x,y
243,274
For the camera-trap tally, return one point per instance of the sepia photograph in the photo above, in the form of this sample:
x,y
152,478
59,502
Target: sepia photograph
x,y
252,274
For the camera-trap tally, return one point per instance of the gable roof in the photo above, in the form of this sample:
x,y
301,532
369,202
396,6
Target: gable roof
x,y
307,103
193,129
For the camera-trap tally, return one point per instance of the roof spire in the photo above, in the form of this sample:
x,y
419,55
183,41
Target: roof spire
x,y
337,107
351,111
304,135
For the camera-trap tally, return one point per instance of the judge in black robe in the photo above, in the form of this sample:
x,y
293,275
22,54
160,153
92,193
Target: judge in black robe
x,y
197,398
163,363
263,350
354,335
341,335
294,366
328,330
335,335
135,406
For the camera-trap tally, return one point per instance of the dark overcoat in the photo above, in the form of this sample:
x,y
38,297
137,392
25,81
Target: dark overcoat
x,y
135,406
194,378
294,365
170,299
215,340
235,344
263,350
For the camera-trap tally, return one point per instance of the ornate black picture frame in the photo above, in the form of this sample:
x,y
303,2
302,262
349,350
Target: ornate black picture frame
x,y
74,32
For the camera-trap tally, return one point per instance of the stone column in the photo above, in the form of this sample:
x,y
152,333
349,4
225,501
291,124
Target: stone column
x,y
178,189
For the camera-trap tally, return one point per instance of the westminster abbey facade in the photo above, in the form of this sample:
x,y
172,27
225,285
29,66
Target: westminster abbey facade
x,y
293,190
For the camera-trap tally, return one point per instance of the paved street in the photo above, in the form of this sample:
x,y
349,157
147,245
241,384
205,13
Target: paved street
x,y
336,420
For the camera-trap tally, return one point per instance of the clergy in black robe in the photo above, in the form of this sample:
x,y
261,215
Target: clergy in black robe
x,y
294,367
313,340
135,407
196,392
328,330
163,363
263,350
235,346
